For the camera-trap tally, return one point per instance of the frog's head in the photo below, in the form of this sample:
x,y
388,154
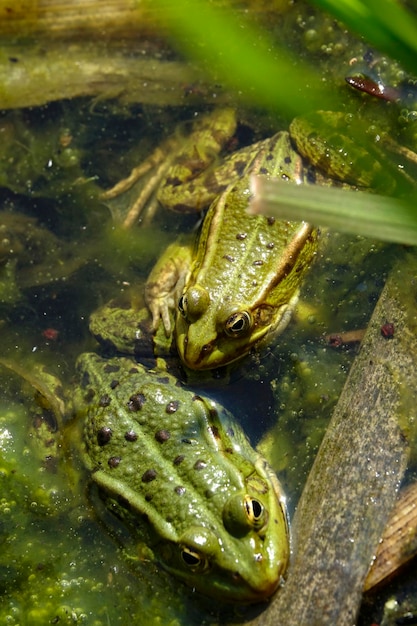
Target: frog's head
x,y
228,308
242,561
211,334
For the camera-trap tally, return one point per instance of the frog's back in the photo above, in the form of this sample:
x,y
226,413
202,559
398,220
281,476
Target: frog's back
x,y
178,459
247,270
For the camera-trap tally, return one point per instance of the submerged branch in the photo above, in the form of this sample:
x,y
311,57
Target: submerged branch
x,y
353,484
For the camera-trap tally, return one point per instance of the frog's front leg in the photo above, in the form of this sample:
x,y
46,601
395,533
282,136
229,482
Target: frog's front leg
x,y
166,282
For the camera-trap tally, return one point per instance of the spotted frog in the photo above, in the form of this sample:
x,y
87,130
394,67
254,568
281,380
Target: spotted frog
x,y
239,285
177,464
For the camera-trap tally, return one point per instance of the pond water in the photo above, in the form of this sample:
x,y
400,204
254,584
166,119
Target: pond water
x,y
58,559
63,254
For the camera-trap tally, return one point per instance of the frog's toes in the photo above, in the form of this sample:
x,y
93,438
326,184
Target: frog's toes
x,y
165,317
159,308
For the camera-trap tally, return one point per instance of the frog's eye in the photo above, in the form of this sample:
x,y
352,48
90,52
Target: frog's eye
x,y
182,305
193,303
255,511
194,560
238,324
242,514
198,547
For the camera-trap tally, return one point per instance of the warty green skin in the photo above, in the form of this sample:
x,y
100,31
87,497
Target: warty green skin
x,y
241,283
178,463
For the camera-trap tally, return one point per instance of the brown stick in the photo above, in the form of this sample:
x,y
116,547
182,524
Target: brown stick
x,y
352,486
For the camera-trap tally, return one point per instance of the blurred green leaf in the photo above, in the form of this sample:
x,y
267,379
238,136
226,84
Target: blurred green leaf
x,y
245,58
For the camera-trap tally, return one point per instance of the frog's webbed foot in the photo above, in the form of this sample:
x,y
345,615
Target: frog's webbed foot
x,y
166,283
162,296
160,306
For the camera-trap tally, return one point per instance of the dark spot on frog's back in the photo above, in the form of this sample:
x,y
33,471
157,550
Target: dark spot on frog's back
x,y
214,430
85,379
179,459
104,435
179,490
163,380
130,435
173,181
136,402
104,400
172,407
89,396
239,167
114,383
200,464
215,187
114,461
149,476
162,435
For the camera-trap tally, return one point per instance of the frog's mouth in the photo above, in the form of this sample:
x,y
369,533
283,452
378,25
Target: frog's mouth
x,y
212,355
219,352
254,595
232,587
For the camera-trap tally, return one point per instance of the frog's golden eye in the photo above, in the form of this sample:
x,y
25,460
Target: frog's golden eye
x,y
194,303
194,560
255,511
182,305
238,324
242,514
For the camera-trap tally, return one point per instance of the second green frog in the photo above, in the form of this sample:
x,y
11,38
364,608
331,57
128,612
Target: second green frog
x,y
179,471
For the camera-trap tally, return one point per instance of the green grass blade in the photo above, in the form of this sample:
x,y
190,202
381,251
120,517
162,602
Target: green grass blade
x,y
344,210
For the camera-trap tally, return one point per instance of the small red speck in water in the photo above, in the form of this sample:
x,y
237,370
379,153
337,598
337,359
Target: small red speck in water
x,y
51,334
335,341
387,330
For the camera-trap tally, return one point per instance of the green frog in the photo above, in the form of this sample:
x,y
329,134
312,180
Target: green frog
x,y
182,475
238,286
